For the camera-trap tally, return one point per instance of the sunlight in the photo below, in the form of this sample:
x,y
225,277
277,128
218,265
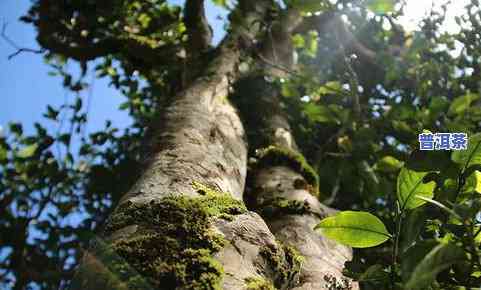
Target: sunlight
x,y
416,10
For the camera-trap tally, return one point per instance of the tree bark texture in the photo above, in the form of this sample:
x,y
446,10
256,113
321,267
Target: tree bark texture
x,y
184,223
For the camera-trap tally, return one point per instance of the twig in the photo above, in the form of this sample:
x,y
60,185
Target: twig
x,y
278,66
14,45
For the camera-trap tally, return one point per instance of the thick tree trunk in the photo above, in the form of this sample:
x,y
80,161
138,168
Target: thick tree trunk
x,y
284,191
184,224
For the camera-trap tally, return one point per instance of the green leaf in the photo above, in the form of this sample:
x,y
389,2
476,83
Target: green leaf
x,y
330,87
411,228
298,41
354,228
222,3
3,154
51,113
388,164
438,204
312,40
413,256
380,6
27,151
438,106
409,184
473,183
461,104
321,114
144,20
309,5
439,258
374,273
471,156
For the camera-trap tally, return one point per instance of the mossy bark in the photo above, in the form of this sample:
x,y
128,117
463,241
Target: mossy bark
x,y
284,188
183,225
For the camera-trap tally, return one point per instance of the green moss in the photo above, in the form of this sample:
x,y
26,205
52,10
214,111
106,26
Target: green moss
x,y
278,206
257,283
285,265
104,269
274,155
174,244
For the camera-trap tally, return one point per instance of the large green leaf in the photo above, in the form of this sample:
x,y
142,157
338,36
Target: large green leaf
x,y
440,257
27,151
380,6
354,228
471,156
409,185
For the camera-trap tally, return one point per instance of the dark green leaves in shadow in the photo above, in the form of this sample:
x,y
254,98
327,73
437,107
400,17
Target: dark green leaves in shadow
x,y
425,260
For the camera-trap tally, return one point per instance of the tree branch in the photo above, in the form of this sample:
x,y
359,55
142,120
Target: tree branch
x,y
198,29
331,21
14,45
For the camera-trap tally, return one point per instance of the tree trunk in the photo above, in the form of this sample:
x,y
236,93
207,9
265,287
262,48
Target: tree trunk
x,y
184,223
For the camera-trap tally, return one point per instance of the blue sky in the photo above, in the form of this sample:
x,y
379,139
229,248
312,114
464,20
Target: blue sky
x,y
26,88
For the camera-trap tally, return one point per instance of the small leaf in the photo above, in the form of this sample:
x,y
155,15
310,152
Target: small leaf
x,y
16,128
27,151
65,138
470,156
321,114
354,228
440,258
461,104
409,184
51,113
330,87
78,104
222,3
380,6
473,183
3,154
388,164
308,5
298,41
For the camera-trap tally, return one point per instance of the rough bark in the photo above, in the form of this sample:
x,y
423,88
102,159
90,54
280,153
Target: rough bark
x,y
284,191
196,171
184,225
